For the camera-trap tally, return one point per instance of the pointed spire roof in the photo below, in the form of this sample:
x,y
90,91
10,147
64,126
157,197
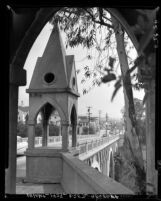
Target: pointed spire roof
x,y
53,71
52,63
69,65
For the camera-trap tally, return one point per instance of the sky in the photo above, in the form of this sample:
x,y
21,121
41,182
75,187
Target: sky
x,y
99,98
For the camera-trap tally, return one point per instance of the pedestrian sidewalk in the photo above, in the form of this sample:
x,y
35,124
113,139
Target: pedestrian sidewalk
x,y
31,188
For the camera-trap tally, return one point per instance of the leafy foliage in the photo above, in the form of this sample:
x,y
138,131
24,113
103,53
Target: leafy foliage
x,y
38,130
53,130
92,29
90,130
125,172
140,118
21,129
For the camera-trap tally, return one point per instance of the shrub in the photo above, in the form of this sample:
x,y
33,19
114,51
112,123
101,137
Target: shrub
x,y
91,130
53,130
21,129
38,130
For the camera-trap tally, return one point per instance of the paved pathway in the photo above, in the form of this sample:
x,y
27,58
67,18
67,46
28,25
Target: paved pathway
x,y
31,188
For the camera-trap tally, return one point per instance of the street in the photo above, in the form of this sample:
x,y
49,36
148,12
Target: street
x,y
21,166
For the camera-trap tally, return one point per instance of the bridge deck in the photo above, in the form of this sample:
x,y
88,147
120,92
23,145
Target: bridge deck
x,y
30,188
89,153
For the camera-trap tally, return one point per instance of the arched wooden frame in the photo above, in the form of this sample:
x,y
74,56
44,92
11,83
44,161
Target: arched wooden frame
x,y
42,17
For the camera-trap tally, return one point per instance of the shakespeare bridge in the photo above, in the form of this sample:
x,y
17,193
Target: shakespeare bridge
x,y
99,153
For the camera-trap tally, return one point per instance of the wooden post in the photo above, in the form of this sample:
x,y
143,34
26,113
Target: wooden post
x,y
11,171
17,78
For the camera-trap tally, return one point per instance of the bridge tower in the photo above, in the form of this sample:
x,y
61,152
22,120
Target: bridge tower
x,y
53,87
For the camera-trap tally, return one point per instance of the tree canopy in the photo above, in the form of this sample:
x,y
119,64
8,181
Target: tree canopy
x,y
92,29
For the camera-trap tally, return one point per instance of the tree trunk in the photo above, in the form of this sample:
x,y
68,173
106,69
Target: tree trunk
x,y
132,143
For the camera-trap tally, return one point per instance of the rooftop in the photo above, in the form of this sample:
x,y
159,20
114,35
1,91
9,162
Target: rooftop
x,y
23,108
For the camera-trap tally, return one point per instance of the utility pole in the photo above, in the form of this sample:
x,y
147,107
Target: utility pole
x,y
106,123
99,120
89,116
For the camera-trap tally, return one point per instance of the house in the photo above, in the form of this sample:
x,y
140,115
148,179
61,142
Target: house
x,y
22,112
83,121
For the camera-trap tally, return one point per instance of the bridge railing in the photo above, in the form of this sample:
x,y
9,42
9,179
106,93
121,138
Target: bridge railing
x,y
86,180
52,139
88,146
84,147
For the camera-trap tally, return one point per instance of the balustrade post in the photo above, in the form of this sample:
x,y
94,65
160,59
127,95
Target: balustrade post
x,y
86,145
92,145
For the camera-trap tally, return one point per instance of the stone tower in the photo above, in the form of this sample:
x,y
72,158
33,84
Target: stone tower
x,y
53,87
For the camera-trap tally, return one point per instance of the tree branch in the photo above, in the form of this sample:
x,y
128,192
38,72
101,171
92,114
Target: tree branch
x,y
98,22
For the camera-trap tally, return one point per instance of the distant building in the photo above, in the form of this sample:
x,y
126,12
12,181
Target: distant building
x,y
55,119
83,121
22,112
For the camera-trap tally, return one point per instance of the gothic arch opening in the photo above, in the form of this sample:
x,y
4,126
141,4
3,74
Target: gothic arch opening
x,y
48,127
73,131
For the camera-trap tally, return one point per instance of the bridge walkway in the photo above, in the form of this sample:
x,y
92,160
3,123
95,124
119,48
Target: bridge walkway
x,y
86,149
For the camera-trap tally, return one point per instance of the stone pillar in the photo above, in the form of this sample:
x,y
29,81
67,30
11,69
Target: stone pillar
x,y
65,135
113,169
31,134
17,78
106,167
103,167
74,135
45,133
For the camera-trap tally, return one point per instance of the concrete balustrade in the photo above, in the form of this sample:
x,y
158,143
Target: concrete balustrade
x,y
87,146
74,175
38,140
84,179
84,147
